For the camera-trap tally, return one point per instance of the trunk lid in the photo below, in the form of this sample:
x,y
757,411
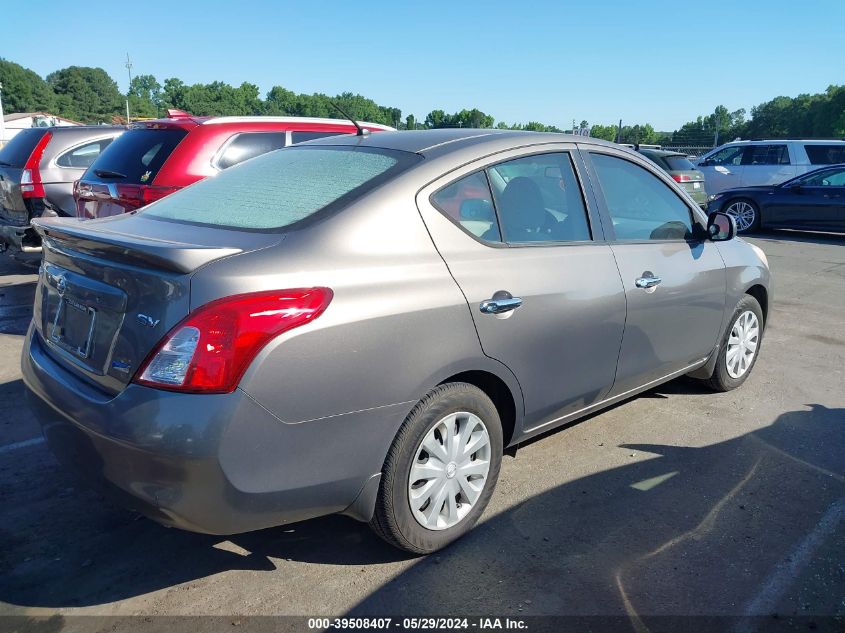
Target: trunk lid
x,y
109,290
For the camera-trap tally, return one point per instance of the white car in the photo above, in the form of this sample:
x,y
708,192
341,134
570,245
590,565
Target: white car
x,y
767,162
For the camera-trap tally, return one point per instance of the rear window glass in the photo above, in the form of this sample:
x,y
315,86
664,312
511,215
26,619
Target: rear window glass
x,y
137,155
826,154
16,152
679,163
281,188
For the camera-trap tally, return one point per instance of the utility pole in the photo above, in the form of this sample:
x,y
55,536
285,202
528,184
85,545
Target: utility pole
x,y
619,132
129,88
2,120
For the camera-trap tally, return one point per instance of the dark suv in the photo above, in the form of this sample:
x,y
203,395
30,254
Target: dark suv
x,y
37,170
156,158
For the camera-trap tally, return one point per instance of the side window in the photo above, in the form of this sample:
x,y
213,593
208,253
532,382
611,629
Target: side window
x,y
765,155
641,206
825,154
248,145
301,137
83,156
468,202
726,156
538,200
827,178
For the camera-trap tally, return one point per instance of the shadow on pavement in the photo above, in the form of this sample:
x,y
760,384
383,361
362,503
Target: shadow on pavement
x,y
688,530
791,235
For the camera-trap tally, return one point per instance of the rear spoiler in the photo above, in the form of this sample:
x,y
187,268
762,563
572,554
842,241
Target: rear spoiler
x,y
99,241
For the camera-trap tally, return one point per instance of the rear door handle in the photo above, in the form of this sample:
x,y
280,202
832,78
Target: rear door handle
x,y
647,281
498,306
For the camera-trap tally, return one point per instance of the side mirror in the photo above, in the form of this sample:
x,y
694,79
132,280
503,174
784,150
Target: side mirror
x,y
721,227
796,188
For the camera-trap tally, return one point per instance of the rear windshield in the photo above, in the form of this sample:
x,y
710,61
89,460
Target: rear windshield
x,y
679,163
16,152
136,156
281,188
820,154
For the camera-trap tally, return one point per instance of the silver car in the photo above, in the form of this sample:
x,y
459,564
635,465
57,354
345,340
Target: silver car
x,y
363,325
37,170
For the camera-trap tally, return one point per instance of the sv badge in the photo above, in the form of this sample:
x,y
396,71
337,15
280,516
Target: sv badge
x,y
147,321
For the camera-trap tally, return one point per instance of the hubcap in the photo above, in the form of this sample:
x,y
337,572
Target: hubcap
x,y
449,471
743,213
742,344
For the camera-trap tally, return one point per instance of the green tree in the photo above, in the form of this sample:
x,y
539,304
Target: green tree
x,y
145,96
86,94
24,90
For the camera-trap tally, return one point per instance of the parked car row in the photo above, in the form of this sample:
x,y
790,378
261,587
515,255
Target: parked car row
x,y
98,171
365,324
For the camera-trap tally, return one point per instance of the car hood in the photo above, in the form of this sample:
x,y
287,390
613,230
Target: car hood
x,y
749,190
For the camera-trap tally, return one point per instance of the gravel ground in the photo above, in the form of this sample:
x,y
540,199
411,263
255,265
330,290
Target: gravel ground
x,y
678,502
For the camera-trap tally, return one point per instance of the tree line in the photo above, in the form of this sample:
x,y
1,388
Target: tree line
x,y
90,95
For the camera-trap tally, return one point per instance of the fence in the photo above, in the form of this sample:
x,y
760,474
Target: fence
x,y
689,150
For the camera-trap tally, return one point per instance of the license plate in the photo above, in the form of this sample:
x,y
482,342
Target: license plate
x,y
696,185
73,327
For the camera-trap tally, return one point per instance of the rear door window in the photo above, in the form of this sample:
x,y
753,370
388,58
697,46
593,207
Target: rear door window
x,y
281,188
83,156
765,155
248,145
826,154
301,137
468,202
137,155
16,152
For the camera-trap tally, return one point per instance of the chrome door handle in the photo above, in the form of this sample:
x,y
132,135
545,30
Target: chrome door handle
x,y
498,306
647,282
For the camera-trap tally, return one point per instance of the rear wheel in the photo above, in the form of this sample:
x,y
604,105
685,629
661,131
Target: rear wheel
x,y
740,346
746,214
440,471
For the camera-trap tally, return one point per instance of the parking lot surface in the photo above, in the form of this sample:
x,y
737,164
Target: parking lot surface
x,y
677,502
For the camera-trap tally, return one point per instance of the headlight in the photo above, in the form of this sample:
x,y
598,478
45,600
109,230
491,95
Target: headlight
x,y
714,196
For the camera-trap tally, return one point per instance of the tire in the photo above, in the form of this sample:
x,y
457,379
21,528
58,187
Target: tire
x,y
394,520
724,376
746,213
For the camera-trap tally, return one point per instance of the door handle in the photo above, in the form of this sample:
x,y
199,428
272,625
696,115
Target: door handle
x,y
498,306
647,281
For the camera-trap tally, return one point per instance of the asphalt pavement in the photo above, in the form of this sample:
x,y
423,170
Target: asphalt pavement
x,y
677,502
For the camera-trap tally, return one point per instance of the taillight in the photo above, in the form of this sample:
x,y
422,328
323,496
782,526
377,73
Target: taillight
x,y
134,196
31,186
210,350
681,178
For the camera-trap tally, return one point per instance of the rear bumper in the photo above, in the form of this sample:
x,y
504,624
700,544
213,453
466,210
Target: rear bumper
x,y
218,464
20,238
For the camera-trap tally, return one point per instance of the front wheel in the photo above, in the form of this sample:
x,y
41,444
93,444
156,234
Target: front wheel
x,y
740,346
440,471
746,214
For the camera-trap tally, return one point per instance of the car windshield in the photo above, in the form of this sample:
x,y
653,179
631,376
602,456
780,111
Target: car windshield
x,y
679,163
136,156
281,188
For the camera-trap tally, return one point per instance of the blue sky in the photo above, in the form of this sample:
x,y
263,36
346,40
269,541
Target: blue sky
x,y
641,60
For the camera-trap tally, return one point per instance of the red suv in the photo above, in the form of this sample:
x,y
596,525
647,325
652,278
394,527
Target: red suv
x,y
155,158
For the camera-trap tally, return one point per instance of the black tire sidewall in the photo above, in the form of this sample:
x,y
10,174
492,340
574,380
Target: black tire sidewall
x,y
721,378
456,397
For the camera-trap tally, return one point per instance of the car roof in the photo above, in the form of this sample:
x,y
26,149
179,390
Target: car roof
x,y
443,140
188,122
661,152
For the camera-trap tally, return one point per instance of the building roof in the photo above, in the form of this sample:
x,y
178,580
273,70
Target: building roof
x,y
25,115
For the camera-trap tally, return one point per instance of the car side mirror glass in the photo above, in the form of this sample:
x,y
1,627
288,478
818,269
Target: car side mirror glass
x,y
721,227
796,188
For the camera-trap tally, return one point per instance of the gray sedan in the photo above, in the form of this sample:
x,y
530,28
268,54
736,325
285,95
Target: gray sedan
x,y
362,325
